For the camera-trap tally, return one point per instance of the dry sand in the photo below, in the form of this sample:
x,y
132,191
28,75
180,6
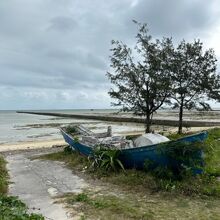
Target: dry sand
x,y
31,145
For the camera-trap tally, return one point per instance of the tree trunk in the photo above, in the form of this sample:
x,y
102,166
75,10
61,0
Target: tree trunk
x,y
180,129
147,123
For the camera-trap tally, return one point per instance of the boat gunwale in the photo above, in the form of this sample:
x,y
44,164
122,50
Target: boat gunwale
x,y
143,148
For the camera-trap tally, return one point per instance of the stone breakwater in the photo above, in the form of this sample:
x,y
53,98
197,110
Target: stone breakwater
x,y
118,118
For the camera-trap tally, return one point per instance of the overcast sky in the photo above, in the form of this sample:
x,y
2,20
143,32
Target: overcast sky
x,y
55,53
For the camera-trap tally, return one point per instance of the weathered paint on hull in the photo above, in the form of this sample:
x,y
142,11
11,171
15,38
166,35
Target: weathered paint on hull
x,y
135,157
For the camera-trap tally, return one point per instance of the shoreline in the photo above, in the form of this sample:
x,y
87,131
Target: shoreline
x,y
28,145
52,143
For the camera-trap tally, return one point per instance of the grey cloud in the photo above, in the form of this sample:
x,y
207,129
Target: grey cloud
x,y
62,47
176,18
62,24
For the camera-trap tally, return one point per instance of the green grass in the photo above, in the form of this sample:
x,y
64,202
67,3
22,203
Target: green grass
x,y
3,176
11,208
105,206
213,152
203,185
139,195
73,159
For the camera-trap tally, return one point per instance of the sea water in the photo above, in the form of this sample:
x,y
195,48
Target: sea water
x,y
18,127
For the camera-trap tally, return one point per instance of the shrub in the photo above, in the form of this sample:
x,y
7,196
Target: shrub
x,y
68,150
185,159
13,209
3,176
106,159
71,130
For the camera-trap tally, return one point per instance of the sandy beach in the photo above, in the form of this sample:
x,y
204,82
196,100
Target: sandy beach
x,y
31,145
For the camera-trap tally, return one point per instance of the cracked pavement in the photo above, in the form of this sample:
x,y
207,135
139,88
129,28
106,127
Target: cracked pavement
x,y
39,182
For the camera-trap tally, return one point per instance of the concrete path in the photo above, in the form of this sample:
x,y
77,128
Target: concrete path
x,y
38,182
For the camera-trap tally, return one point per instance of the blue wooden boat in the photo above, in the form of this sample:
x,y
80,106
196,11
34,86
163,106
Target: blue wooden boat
x,y
135,157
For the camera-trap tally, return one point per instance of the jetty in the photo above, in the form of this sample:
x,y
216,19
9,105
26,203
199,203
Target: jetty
x,y
129,119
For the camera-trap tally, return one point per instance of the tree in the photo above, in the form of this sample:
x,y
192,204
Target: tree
x,y
194,78
141,80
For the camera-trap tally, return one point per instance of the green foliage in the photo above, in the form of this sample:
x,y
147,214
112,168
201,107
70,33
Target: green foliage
x,y
137,181
106,159
162,172
68,150
212,152
175,136
203,185
185,159
74,160
140,86
107,206
76,139
184,76
200,185
71,130
3,176
180,178
214,135
13,209
83,197
193,77
185,153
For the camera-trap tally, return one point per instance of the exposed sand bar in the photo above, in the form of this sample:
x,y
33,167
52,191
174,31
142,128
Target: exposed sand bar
x,y
120,118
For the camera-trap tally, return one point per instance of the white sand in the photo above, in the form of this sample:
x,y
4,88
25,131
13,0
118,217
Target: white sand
x,y
31,145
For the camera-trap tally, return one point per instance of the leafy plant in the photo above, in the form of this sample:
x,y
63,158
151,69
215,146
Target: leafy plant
x,y
71,129
81,197
12,208
140,181
76,139
3,176
68,150
107,159
185,159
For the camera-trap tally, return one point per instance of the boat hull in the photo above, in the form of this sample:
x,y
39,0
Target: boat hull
x,y
136,157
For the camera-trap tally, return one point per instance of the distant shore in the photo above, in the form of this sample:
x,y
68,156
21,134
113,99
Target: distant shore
x,y
130,118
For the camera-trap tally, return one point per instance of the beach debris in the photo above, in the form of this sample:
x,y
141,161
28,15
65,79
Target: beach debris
x,y
150,139
107,140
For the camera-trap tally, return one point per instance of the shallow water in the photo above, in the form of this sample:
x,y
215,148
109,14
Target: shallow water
x,y
16,127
